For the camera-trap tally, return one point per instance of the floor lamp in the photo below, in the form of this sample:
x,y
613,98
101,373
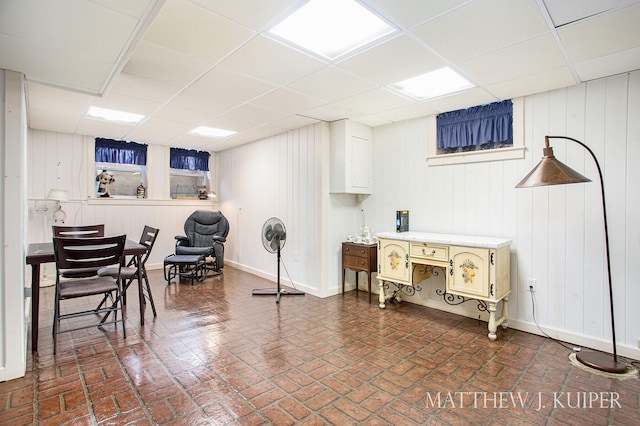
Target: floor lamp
x,y
550,171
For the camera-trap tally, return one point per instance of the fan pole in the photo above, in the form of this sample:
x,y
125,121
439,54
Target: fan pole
x,y
278,292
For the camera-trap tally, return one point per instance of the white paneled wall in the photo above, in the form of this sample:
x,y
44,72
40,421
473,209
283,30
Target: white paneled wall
x,y
64,161
279,176
557,232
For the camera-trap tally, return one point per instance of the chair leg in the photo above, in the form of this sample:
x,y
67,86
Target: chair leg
x,y
149,295
56,321
124,329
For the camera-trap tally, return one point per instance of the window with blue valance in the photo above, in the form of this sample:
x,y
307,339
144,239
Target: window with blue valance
x,y
476,128
189,159
120,152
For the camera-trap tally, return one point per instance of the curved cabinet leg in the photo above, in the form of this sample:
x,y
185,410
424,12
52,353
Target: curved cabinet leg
x,y
381,296
492,321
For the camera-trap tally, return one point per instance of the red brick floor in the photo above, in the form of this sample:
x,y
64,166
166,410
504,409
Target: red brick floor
x,y
218,355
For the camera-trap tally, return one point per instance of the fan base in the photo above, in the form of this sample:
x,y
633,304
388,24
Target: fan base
x,y
277,293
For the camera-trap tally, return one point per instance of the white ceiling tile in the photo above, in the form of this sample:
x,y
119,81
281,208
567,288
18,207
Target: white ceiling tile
x,y
137,8
159,63
533,83
157,130
144,88
372,102
53,119
408,13
188,28
332,84
502,22
53,67
90,30
191,117
466,99
245,117
272,61
220,82
191,98
255,14
525,58
395,60
563,11
126,104
601,35
104,129
293,122
289,101
615,63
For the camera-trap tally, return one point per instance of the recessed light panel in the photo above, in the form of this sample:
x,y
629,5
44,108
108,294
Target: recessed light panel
x,y
332,28
211,132
430,85
113,115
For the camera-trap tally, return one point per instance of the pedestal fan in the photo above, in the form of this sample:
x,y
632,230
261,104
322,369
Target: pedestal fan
x,y
274,236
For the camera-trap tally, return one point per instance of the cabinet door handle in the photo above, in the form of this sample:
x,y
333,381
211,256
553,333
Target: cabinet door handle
x,y
451,267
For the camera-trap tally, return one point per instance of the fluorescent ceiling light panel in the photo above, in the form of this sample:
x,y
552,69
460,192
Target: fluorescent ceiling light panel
x,y
435,83
113,115
211,132
332,28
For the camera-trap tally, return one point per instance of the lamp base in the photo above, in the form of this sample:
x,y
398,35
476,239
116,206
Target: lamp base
x,y
601,361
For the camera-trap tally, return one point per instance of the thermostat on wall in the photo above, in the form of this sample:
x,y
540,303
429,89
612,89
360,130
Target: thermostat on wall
x,y
402,220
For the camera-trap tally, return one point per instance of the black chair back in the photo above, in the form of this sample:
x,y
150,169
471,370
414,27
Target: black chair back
x,y
80,231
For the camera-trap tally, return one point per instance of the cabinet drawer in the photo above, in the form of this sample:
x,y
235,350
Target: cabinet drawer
x,y
429,251
355,250
355,262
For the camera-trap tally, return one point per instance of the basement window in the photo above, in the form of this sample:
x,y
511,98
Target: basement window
x,y
483,133
120,169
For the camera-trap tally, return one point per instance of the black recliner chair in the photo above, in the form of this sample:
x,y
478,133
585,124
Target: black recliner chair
x,y
205,234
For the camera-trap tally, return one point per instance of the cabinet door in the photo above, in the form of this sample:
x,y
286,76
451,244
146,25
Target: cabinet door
x,y
393,260
468,271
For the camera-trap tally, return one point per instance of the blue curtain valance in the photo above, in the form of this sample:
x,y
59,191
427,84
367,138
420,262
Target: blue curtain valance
x,y
477,125
121,152
189,159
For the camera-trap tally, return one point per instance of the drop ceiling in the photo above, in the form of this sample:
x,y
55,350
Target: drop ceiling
x,y
190,63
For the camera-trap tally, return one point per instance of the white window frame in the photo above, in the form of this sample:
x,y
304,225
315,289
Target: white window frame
x,y
516,152
194,173
118,167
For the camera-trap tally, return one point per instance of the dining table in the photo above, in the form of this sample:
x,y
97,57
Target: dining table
x,y
39,253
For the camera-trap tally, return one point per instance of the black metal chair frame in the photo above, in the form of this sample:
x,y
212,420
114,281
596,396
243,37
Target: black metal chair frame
x,y
79,254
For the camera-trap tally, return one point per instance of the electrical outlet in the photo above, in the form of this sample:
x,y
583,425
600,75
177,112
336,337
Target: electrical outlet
x,y
531,284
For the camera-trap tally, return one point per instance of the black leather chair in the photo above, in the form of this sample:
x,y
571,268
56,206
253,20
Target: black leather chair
x,y
205,234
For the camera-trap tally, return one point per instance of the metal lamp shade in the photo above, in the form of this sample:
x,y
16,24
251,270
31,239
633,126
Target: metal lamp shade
x,y
550,171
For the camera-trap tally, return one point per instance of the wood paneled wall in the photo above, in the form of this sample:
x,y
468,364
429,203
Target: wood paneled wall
x,y
557,232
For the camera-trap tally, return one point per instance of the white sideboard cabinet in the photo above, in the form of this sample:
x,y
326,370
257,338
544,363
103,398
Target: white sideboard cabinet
x,y
350,157
476,268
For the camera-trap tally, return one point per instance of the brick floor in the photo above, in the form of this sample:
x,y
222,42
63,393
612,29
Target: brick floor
x,y
218,355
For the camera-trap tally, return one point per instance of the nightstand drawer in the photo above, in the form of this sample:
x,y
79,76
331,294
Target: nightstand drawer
x,y
429,251
355,250
355,262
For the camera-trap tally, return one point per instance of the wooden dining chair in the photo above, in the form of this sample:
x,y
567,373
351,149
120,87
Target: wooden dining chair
x,y
81,254
86,231
79,231
130,273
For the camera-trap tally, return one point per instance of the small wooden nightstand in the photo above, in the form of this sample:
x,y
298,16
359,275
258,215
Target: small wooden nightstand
x,y
359,257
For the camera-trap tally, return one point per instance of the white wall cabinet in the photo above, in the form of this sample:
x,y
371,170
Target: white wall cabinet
x,y
350,157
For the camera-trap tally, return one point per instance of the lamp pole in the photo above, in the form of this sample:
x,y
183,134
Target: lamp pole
x,y
550,171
